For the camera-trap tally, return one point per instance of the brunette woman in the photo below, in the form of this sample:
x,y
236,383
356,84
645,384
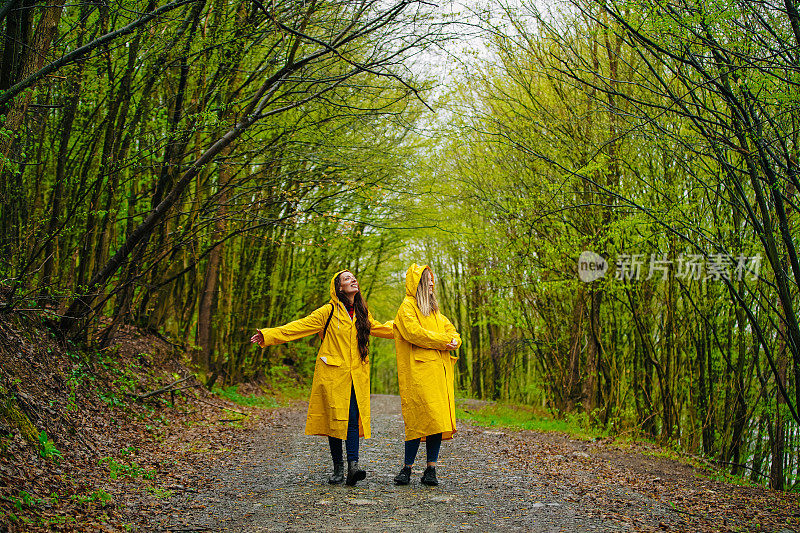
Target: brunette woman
x,y
339,404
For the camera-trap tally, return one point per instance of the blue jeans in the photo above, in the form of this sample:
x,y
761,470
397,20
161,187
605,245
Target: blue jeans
x,y
352,434
432,445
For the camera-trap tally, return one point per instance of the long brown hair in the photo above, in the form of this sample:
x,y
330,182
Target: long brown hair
x,y
362,318
426,300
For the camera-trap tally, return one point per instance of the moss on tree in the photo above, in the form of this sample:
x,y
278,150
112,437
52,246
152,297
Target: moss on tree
x,y
10,411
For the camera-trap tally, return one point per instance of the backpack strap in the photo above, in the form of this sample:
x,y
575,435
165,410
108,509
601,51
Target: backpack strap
x,y
328,322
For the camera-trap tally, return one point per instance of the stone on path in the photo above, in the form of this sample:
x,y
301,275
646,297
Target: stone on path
x,y
361,502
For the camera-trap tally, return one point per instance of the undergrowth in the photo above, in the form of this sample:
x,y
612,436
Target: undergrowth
x,y
232,394
282,395
523,417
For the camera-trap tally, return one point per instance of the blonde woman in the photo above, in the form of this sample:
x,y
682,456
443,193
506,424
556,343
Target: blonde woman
x,y
339,404
425,342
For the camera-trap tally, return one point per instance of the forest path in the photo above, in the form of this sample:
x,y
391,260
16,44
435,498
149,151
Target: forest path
x,y
276,480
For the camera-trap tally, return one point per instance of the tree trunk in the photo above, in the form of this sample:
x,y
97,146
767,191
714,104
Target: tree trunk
x,y
776,471
74,84
33,60
496,354
758,452
740,407
572,379
705,392
475,330
19,56
208,298
593,349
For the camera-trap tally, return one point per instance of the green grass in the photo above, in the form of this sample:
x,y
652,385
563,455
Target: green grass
x,y
287,393
158,492
47,449
231,393
119,469
726,477
523,417
98,495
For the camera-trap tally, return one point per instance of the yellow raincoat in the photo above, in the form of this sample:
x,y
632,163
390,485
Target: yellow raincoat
x,y
424,365
338,366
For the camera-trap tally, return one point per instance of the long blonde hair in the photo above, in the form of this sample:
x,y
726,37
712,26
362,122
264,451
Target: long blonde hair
x,y
426,300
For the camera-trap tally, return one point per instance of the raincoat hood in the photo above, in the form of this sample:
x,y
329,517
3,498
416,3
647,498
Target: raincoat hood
x,y
413,275
334,297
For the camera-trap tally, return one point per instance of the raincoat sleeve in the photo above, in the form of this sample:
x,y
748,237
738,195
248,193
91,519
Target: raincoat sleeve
x,y
385,330
298,329
410,329
450,329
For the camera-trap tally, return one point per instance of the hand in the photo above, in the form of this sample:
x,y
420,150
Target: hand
x,y
258,338
452,345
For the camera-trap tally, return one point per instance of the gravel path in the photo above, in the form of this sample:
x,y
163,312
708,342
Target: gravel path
x,y
277,481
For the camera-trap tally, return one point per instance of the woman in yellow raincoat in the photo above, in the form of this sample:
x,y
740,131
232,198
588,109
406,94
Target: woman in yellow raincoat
x,y
425,341
339,403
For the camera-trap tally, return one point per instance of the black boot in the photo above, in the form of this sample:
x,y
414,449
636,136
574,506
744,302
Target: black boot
x,y
429,477
404,477
354,473
338,474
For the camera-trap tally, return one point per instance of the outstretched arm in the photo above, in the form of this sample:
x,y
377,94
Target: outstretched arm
x,y
385,330
298,329
409,327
